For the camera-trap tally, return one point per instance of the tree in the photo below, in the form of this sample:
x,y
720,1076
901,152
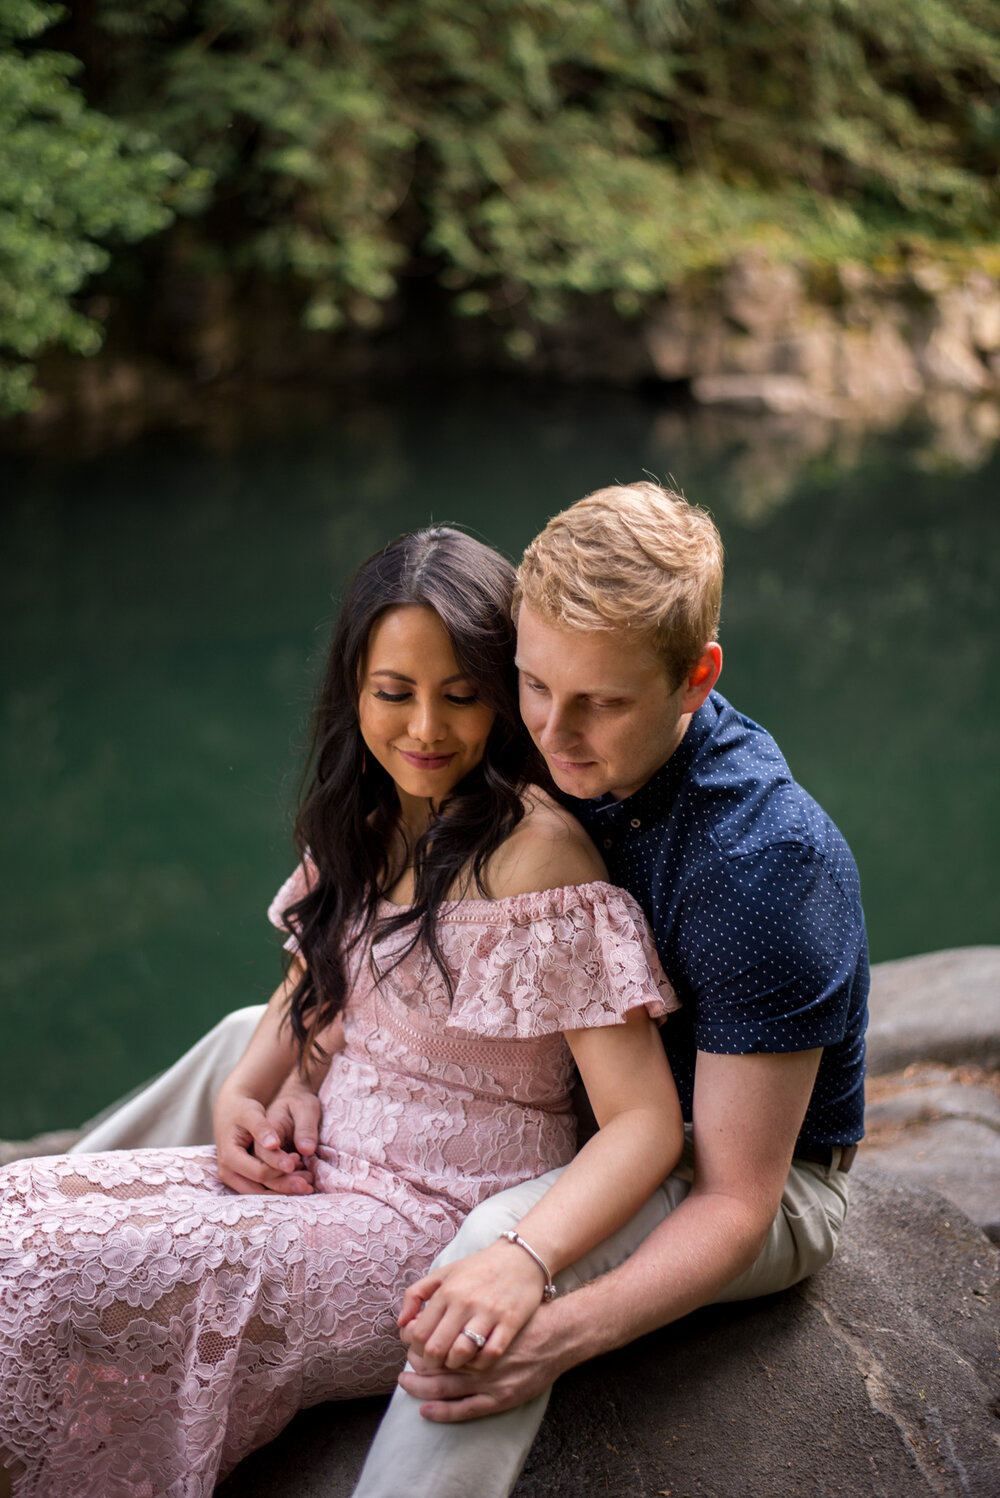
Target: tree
x,y
525,153
72,182
540,149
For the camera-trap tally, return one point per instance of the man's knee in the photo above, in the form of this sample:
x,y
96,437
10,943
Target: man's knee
x,y
803,1236
495,1215
237,1027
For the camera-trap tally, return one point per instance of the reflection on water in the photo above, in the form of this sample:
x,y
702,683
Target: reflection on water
x,y
164,606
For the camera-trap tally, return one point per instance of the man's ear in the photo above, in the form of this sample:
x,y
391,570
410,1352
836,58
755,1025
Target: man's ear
x,y
702,678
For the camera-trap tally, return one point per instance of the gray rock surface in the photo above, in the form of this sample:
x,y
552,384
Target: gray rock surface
x,y
58,1142
879,1378
768,338
873,1380
940,1128
933,1090
944,1006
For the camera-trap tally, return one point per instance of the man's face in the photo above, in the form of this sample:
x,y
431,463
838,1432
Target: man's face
x,y
599,705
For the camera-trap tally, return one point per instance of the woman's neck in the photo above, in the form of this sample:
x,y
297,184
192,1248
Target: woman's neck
x,y
403,838
415,814
400,887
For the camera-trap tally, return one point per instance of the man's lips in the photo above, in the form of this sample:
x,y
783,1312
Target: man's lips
x,y
570,764
426,761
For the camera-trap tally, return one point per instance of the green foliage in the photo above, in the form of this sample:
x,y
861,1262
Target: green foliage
x,y
71,182
539,149
527,153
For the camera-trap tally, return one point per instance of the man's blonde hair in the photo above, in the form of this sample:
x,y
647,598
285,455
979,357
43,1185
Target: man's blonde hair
x,y
632,556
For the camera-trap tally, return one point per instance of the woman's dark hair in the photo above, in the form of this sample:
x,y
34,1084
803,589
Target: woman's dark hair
x,y
349,808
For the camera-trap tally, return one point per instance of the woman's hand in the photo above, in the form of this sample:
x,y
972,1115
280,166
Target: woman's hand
x,y
493,1292
253,1154
253,1157
295,1115
270,1148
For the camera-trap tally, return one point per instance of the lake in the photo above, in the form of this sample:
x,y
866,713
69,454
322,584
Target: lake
x,y
166,603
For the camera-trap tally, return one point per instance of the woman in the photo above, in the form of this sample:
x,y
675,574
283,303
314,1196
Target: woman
x,y
454,950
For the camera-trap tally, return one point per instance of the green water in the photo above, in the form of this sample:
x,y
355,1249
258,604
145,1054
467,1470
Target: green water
x,y
165,605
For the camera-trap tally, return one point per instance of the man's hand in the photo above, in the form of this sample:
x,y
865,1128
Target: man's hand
x,y
536,1357
252,1159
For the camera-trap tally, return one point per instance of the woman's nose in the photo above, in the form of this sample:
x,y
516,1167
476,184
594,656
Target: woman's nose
x,y
427,722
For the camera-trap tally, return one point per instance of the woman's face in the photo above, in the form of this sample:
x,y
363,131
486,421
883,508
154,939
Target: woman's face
x,y
420,716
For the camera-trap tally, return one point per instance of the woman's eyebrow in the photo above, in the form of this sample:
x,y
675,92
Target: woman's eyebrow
x,y
398,676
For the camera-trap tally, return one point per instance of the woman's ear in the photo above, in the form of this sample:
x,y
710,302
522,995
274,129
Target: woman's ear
x,y
702,678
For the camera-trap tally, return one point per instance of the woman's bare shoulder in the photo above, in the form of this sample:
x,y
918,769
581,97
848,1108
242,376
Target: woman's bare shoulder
x,y
546,850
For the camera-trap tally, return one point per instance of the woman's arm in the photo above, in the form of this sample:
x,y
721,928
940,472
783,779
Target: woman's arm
x,y
625,1071
639,1142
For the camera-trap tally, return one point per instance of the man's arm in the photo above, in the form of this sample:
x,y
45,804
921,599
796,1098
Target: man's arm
x,y
747,1114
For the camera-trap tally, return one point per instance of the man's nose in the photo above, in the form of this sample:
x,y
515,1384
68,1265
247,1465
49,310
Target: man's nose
x,y
557,731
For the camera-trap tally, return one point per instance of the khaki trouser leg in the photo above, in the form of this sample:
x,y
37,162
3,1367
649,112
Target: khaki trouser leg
x,y
415,1458
176,1109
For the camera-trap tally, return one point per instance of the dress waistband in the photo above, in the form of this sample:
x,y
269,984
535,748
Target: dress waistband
x,y
503,1059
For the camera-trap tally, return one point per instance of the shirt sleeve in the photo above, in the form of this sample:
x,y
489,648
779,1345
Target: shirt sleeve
x,y
771,952
580,958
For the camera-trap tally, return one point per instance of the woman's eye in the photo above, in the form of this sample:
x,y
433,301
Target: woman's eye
x,y
463,701
390,696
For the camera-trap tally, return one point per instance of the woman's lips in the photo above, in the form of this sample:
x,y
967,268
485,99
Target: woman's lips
x,y
426,761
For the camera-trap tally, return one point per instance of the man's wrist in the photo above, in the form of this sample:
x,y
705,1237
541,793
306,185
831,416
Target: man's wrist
x,y
571,1333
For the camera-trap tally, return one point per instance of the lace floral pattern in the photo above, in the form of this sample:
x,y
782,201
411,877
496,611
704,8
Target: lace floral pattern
x,y
155,1327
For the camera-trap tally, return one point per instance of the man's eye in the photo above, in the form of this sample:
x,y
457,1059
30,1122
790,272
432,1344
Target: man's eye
x,y
534,686
390,696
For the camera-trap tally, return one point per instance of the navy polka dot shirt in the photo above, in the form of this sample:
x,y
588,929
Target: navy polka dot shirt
x,y
753,898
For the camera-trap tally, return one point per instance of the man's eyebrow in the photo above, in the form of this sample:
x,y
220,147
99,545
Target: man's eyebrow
x,y
594,691
398,676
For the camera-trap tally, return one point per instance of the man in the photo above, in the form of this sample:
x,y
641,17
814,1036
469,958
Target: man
x,y
753,899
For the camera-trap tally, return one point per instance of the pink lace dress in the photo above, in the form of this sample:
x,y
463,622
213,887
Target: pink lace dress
x,y
155,1327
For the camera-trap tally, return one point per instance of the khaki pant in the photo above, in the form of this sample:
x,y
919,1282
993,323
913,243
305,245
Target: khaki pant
x,y
414,1458
176,1109
411,1457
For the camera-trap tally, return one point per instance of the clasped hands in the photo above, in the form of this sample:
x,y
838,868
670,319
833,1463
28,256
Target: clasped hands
x,y
268,1149
493,1292
453,1380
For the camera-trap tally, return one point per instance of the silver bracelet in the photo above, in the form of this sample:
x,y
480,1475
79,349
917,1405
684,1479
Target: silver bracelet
x,y
549,1293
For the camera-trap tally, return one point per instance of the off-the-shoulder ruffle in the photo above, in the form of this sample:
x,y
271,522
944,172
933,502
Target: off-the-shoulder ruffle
x,y
570,958
559,959
295,886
